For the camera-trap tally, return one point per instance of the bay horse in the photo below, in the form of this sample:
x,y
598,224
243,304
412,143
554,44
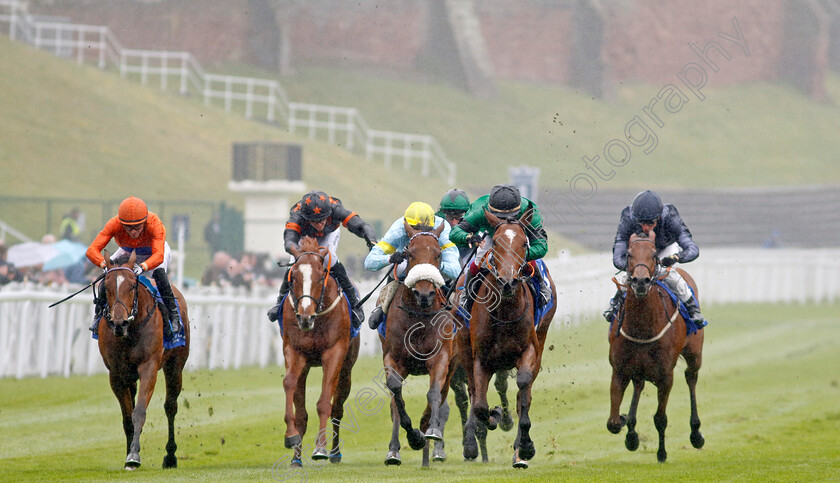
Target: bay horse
x,y
319,338
503,335
131,345
418,341
649,338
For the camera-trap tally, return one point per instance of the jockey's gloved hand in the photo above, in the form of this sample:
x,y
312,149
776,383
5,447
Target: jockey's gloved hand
x,y
137,269
369,236
474,240
396,257
670,260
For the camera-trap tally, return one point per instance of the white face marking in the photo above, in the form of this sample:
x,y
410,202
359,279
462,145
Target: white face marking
x,y
306,271
120,279
510,234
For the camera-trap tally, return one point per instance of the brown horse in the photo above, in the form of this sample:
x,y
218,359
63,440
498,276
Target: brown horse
x,y
502,333
418,341
131,344
646,344
321,337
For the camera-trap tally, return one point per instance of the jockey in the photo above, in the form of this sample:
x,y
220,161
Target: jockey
x,y
673,244
503,201
319,215
136,229
390,250
454,204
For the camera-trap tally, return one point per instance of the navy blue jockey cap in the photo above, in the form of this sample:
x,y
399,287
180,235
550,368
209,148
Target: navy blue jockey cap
x,y
646,207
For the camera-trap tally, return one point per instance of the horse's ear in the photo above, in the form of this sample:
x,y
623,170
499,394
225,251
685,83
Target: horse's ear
x,y
491,218
131,259
409,230
294,250
107,256
439,229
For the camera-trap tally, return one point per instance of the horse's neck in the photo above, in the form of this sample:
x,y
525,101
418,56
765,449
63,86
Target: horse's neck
x,y
644,313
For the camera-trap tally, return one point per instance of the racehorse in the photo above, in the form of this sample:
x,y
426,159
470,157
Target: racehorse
x,y
321,337
418,341
650,336
503,335
131,344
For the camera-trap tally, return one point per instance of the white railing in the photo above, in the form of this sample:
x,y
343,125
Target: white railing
x,y
229,328
255,98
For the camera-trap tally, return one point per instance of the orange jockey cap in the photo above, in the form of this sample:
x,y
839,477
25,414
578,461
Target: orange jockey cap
x,y
133,211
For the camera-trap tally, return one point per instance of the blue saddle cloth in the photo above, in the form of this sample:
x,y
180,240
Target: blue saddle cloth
x,y
535,293
690,326
354,331
176,339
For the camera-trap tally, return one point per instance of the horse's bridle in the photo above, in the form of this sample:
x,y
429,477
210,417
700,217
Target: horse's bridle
x,y
132,314
320,300
629,270
492,268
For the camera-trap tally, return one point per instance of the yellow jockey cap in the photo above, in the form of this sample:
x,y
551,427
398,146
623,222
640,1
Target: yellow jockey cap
x,y
419,213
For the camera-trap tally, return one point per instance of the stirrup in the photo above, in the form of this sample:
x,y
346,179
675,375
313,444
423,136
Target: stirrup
x,y
273,313
375,318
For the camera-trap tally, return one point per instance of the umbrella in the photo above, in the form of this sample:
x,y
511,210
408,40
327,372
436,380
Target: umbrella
x,y
30,253
67,253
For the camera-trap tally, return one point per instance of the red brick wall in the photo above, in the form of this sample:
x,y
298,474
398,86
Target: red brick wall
x,y
526,40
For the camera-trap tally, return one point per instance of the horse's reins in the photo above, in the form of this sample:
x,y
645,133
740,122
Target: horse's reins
x,y
91,284
670,321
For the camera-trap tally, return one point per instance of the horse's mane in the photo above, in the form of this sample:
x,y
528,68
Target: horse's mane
x,y
640,235
422,227
308,244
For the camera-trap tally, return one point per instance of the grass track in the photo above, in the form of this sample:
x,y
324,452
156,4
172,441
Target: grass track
x,y
767,394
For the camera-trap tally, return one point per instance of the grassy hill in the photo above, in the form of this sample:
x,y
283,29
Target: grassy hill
x,y
77,132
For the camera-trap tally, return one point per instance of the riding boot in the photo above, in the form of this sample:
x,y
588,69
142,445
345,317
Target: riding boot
x,y
375,317
694,312
615,302
347,287
274,312
99,303
162,283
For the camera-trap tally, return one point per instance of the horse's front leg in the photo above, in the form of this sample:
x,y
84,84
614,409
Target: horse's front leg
x,y
125,396
694,358
393,456
478,397
660,419
295,366
617,387
526,373
148,378
631,441
332,360
394,382
438,390
172,372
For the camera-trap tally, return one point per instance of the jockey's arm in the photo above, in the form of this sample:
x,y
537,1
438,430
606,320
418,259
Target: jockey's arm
x,y
378,256
94,251
360,228
291,235
450,265
688,249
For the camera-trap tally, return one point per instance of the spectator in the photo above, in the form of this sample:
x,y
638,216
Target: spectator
x,y
212,232
70,229
217,272
8,272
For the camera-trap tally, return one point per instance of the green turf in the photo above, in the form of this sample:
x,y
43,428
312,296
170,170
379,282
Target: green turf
x,y
767,394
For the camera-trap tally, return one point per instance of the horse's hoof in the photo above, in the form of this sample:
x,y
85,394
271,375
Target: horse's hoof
x,y
292,441
132,461
393,458
494,418
661,455
335,458
170,461
296,463
506,423
470,450
526,449
518,463
616,428
415,439
434,434
697,439
439,455
320,454
631,441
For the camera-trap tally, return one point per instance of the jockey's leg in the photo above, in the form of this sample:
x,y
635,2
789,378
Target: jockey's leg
x,y
472,282
347,287
545,288
618,298
274,312
377,316
98,307
162,282
677,283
